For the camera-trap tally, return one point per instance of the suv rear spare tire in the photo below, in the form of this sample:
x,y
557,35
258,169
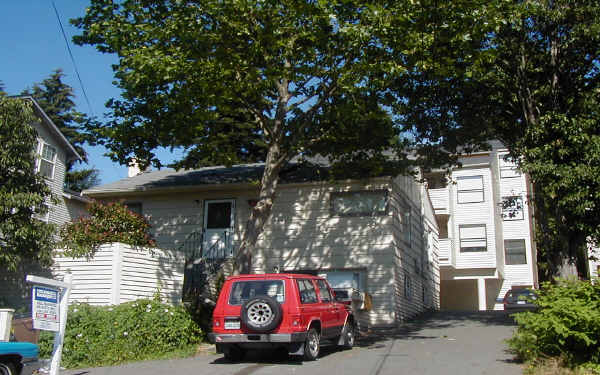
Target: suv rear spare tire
x,y
261,314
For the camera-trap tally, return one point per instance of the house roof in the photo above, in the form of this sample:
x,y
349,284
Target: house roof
x,y
170,179
71,152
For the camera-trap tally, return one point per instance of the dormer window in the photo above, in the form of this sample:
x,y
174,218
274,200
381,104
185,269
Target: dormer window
x,y
47,160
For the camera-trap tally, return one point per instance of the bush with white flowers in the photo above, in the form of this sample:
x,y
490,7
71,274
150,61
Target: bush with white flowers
x,y
133,331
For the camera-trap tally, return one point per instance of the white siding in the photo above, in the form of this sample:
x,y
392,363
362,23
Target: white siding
x,y
473,214
417,259
119,273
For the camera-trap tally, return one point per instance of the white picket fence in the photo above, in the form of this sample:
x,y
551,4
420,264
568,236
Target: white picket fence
x,y
120,273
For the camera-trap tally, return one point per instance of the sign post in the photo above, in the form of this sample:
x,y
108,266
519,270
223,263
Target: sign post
x,y
50,301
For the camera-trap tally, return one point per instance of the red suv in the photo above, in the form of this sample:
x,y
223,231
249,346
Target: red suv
x,y
268,311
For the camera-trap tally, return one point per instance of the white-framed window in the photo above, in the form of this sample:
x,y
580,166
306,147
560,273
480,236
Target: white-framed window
x,y
407,226
359,203
470,189
407,286
45,217
512,208
473,238
47,160
514,252
508,168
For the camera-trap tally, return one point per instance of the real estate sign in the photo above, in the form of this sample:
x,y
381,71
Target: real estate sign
x,y
45,308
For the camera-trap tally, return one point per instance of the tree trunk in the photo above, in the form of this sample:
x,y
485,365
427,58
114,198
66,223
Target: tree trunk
x,y
261,212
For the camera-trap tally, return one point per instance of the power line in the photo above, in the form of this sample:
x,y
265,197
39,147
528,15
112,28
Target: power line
x,y
62,29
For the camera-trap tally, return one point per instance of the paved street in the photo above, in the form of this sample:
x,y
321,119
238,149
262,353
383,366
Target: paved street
x,y
443,343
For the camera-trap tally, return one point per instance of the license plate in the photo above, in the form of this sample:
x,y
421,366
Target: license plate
x,y
521,302
232,324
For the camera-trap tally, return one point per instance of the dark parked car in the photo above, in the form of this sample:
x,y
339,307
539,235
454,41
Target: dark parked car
x,y
521,299
18,358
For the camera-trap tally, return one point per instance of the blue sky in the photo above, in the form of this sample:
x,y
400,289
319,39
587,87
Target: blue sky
x,y
33,47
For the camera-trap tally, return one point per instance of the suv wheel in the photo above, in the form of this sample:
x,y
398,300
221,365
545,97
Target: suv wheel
x,y
261,314
348,335
7,369
312,345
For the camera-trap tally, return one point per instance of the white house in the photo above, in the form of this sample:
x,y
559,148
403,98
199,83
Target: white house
x,y
377,235
486,240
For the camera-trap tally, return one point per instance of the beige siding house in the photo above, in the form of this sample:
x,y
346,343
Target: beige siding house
x,y
378,236
486,242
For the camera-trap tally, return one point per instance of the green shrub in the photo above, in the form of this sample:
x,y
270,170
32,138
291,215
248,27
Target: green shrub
x,y
108,335
106,223
567,324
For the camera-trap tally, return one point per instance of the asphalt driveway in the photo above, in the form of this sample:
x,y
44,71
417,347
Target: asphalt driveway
x,y
440,343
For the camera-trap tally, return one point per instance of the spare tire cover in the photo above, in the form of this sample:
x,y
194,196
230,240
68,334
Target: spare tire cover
x,y
261,313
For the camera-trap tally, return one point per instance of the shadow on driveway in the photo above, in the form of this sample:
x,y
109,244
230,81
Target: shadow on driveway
x,y
436,320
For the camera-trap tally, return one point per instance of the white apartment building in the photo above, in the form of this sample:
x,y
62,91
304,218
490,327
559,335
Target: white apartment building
x,y
486,235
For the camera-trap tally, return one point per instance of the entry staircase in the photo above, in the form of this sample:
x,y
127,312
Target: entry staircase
x,y
207,263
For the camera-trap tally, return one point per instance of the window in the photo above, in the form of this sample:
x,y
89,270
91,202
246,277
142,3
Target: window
x,y
514,252
512,208
344,279
359,203
45,217
307,291
324,291
406,226
470,189
473,238
47,160
407,286
442,222
243,291
135,207
218,214
508,168
436,180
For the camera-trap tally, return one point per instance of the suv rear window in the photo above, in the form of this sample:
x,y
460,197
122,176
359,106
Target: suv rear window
x,y
242,291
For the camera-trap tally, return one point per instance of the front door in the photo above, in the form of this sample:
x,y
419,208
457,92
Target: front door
x,y
219,222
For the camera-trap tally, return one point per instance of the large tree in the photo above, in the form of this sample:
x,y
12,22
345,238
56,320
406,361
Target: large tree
x,y
252,80
526,73
56,99
23,192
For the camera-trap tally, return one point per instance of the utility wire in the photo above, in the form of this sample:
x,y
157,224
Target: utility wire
x,y
62,29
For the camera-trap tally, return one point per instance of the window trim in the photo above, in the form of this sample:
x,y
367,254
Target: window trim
x,y
482,190
507,217
40,153
334,194
505,165
460,239
407,286
46,217
506,251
